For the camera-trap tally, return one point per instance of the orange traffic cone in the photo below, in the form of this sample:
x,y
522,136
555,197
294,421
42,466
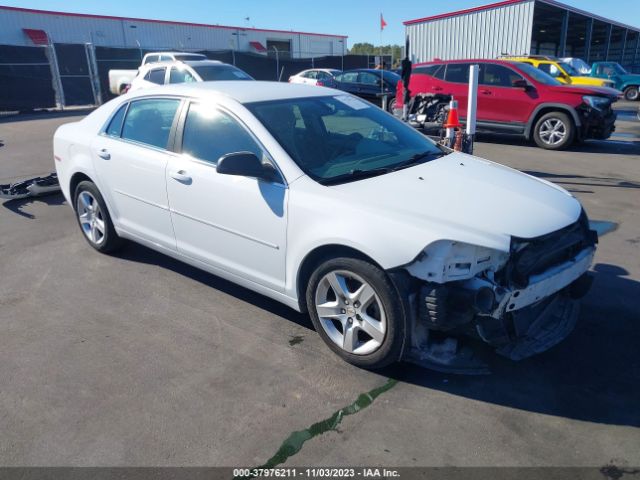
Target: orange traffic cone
x,y
452,120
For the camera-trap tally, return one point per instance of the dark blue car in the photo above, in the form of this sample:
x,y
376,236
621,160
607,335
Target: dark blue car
x,y
369,84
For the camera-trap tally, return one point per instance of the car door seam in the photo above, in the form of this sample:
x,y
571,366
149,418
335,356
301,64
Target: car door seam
x,y
224,229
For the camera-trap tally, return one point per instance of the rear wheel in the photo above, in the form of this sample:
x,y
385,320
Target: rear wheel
x,y
554,131
357,312
93,218
632,93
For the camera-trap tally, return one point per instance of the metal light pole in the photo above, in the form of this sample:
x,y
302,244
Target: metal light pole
x,y
277,61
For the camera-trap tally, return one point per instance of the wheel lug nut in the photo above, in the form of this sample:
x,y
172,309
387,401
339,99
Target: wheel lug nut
x,y
346,302
357,304
343,311
350,320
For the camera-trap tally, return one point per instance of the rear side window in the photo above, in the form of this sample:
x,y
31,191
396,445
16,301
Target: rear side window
x,y
368,78
426,70
149,121
151,59
439,73
156,76
457,73
209,134
115,126
349,77
177,75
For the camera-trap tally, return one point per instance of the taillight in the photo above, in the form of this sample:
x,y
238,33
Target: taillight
x,y
290,79
126,89
320,83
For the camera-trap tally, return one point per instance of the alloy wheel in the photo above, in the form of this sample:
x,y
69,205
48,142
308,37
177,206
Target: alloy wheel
x,y
91,218
350,312
552,131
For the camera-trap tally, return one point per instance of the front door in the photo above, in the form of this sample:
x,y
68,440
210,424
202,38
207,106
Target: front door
x,y
498,100
234,223
130,159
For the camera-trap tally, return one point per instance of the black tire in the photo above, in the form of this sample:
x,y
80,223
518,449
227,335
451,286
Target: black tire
x,y
395,337
547,142
632,93
391,105
111,241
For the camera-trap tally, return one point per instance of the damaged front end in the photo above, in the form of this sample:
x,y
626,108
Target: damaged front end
x,y
521,303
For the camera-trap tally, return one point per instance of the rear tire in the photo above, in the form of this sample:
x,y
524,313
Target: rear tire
x,y
632,93
363,319
554,131
94,219
391,105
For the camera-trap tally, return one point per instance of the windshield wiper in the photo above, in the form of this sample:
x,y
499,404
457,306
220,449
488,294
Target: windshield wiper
x,y
354,175
417,158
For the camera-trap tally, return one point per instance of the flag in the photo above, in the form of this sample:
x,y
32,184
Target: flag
x,y
382,23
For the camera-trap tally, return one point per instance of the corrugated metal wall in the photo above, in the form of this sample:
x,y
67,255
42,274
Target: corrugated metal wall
x,y
155,35
480,34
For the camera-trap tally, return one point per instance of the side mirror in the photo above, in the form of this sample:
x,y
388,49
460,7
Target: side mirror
x,y
520,84
245,164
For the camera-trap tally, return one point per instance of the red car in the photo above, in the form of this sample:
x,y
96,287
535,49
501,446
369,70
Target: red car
x,y
518,98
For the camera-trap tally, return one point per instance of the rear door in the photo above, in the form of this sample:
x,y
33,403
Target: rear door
x,y
348,81
130,159
456,83
499,101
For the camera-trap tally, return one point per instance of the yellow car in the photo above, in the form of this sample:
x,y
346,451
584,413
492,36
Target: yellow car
x,y
561,71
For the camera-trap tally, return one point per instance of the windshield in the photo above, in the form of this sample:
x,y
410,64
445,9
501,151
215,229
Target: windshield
x,y
569,69
220,72
538,75
341,138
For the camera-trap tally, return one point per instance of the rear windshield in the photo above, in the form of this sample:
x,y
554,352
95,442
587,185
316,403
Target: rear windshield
x,y
538,75
195,56
220,72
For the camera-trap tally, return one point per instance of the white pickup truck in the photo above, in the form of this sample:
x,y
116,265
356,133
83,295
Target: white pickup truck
x,y
120,79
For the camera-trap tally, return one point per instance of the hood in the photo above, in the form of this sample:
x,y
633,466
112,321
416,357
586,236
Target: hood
x,y
586,90
459,193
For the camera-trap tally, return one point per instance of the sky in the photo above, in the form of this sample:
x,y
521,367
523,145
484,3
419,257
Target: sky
x,y
358,19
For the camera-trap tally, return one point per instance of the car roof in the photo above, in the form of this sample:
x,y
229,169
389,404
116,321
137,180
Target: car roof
x,y
242,92
467,60
175,53
191,63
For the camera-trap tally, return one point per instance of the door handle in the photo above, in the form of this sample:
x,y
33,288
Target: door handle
x,y
181,176
104,154
437,89
485,92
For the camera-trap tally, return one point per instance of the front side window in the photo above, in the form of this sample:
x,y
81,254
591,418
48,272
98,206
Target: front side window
x,y
497,75
426,69
210,133
341,138
536,74
151,59
149,121
180,75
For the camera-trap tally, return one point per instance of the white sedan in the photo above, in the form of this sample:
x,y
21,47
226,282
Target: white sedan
x,y
397,248
320,77
186,71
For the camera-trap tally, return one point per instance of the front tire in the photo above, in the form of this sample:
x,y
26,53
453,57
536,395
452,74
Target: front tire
x,y
391,106
554,131
94,219
632,93
357,311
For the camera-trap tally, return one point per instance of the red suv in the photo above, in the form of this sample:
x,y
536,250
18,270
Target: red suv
x,y
518,98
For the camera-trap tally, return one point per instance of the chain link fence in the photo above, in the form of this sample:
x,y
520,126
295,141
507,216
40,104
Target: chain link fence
x,y
65,75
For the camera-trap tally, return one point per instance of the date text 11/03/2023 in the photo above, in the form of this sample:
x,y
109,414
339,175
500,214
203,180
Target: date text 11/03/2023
x,y
322,472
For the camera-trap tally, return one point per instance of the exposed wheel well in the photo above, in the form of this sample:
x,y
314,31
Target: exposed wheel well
x,y
544,111
75,180
318,255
